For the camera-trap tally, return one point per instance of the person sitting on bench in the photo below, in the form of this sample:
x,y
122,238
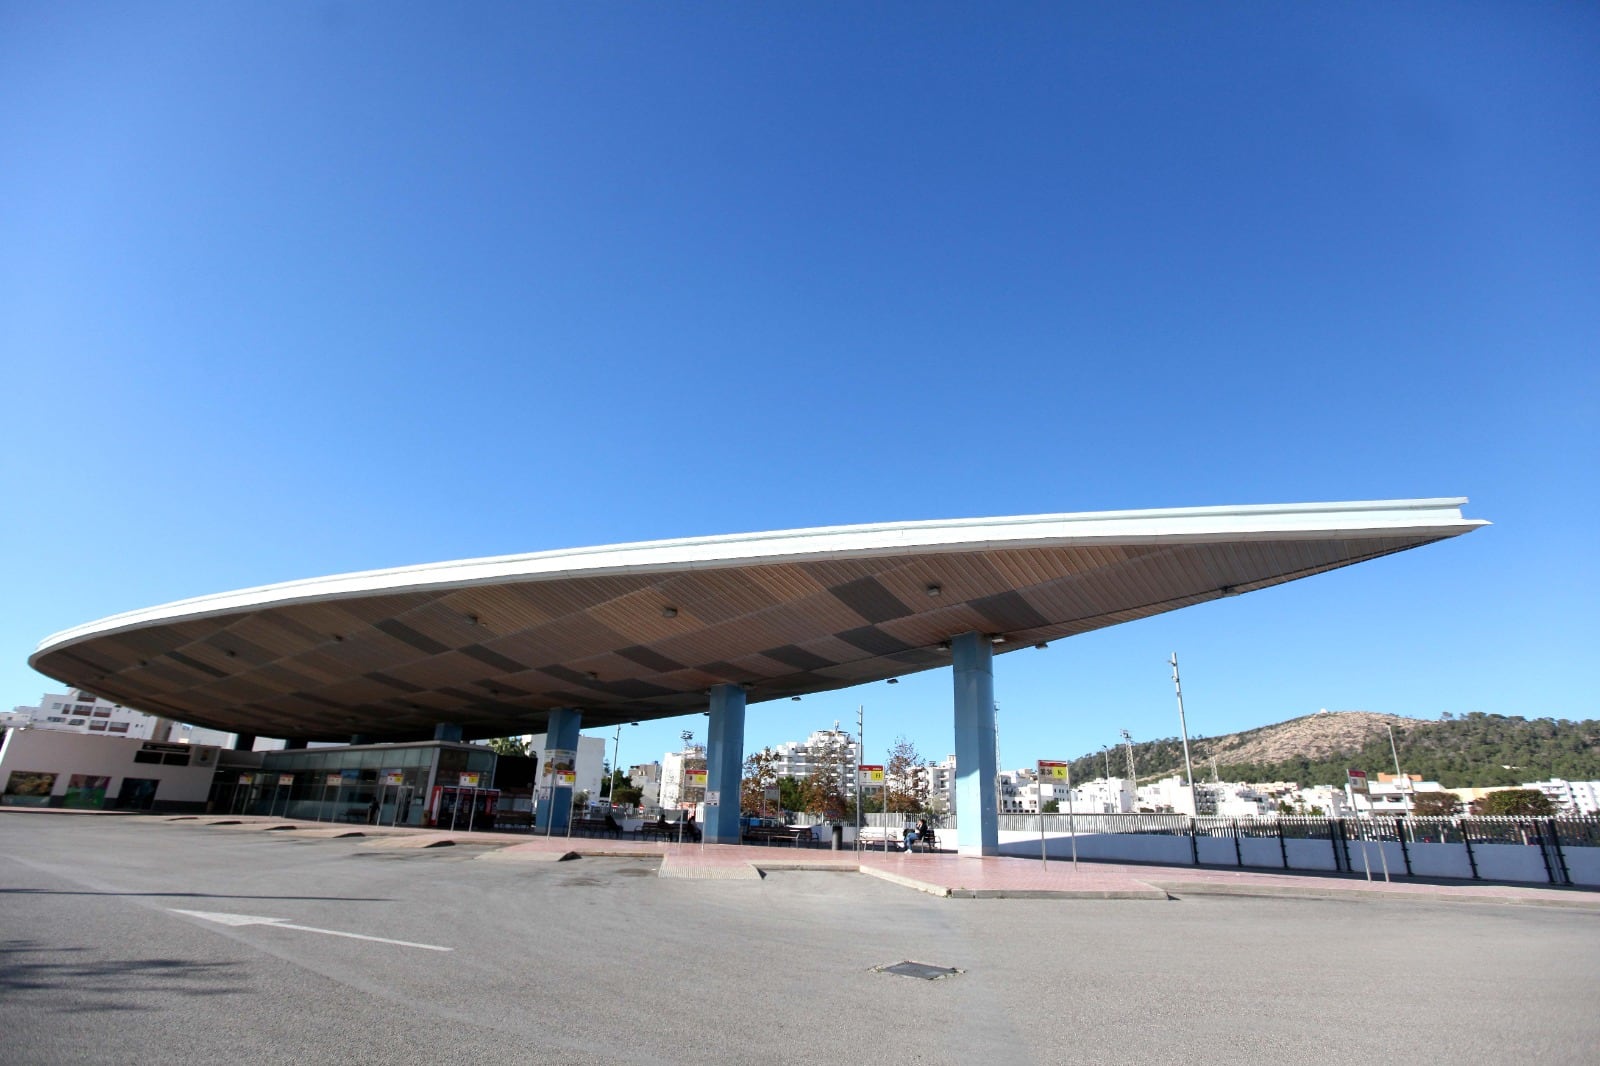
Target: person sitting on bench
x,y
612,825
916,833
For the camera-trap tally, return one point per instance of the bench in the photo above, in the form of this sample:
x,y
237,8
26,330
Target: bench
x,y
595,827
874,836
786,834
656,830
513,819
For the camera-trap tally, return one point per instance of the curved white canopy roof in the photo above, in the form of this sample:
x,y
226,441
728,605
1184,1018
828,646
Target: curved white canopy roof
x,y
635,631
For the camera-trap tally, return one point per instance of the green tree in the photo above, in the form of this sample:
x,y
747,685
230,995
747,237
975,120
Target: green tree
x,y
760,774
791,793
509,746
1514,802
1434,804
905,788
1050,806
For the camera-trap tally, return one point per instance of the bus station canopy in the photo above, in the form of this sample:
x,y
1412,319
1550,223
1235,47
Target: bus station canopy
x,y
639,631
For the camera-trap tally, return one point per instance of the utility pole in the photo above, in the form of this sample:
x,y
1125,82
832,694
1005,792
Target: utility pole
x,y
1133,775
1400,780
861,735
1183,726
1107,750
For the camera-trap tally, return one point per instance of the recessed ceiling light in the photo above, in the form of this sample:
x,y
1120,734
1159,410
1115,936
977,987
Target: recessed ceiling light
x,y
669,612
935,590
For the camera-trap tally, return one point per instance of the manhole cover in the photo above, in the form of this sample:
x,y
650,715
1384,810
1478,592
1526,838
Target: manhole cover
x,y
919,970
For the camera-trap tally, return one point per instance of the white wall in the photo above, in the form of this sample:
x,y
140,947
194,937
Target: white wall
x,y
66,753
1496,862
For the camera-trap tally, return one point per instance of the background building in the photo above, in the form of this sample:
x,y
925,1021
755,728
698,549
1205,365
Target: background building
x,y
79,712
70,768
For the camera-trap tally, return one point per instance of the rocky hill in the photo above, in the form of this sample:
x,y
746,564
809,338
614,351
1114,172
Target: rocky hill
x,y
1475,750
1315,737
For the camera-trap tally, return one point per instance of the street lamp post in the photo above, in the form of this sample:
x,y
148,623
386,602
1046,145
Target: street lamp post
x,y
616,763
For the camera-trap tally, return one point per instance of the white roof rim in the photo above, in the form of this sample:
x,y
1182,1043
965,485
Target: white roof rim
x,y
1433,517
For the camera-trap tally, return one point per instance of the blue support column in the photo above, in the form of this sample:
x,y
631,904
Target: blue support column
x,y
560,735
977,821
725,763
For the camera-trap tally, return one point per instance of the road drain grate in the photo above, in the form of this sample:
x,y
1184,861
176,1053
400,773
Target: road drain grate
x,y
920,970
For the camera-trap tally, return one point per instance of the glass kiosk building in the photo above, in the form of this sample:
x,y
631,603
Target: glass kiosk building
x,y
426,783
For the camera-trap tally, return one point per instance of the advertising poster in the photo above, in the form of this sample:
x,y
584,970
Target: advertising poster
x,y
286,780
467,780
87,790
398,777
29,788
871,775
561,767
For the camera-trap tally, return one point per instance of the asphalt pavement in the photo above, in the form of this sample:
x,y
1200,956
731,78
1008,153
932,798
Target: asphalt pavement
x,y
143,940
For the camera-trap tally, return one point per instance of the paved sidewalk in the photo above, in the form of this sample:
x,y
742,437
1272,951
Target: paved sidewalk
x,y
943,874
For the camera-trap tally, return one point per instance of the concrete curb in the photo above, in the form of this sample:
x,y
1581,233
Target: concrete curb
x,y
905,882
397,843
511,854
1148,892
1179,889
692,872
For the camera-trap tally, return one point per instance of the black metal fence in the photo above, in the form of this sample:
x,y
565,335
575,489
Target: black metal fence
x,y
1347,838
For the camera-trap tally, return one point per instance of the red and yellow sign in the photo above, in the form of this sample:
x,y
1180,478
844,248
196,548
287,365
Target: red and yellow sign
x,y
1054,771
694,778
871,775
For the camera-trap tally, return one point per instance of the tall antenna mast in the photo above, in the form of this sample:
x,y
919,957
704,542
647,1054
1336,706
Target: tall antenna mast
x,y
1183,726
1133,776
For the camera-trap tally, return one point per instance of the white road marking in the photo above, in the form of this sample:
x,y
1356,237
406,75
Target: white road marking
x,y
284,923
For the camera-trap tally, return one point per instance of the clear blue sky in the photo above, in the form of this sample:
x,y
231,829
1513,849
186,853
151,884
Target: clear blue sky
x,y
295,289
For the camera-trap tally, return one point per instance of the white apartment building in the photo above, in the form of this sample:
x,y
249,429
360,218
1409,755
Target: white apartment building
x,y
587,766
78,712
673,790
939,781
1570,797
1021,792
646,777
832,748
